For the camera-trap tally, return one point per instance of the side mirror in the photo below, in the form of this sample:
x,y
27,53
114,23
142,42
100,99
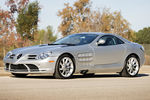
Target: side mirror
x,y
101,42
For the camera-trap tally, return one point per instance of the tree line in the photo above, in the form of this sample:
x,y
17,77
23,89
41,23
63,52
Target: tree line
x,y
80,17
19,24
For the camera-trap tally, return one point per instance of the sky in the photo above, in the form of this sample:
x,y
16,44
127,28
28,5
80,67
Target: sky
x,y
136,12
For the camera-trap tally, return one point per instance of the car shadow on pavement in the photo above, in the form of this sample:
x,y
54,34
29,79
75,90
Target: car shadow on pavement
x,y
106,76
36,77
81,76
142,75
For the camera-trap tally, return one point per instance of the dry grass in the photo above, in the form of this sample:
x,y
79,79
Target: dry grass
x,y
147,54
147,49
1,63
147,60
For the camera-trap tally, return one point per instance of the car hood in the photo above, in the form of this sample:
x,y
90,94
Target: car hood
x,y
36,49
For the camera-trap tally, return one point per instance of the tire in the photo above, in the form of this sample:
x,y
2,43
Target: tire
x,y
19,75
65,67
131,67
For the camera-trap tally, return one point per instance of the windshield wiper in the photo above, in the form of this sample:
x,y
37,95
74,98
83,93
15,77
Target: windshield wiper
x,y
68,44
53,44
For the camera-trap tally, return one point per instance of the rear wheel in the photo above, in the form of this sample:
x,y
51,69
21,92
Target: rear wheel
x,y
65,67
131,67
19,75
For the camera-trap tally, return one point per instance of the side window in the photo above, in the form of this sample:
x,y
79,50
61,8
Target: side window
x,y
107,40
118,41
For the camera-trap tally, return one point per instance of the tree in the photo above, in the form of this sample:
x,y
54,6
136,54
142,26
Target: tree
x,y
80,18
27,21
110,22
74,16
143,36
6,23
9,39
45,36
16,5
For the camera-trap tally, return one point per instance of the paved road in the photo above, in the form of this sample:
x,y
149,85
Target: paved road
x,y
99,87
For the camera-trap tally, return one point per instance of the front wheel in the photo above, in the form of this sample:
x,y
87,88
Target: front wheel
x,y
65,67
131,67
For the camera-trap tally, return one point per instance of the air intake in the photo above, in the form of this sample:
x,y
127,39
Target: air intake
x,y
19,56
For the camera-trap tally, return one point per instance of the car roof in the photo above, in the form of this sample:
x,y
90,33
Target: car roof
x,y
99,33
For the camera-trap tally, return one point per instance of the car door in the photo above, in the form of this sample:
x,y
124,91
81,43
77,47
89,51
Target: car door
x,y
109,53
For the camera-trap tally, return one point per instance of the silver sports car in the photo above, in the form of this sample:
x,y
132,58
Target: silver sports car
x,y
85,53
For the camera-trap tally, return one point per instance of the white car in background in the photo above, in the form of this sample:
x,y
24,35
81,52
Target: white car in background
x,y
83,53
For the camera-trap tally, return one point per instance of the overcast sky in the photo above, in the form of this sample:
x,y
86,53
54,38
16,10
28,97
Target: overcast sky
x,y
137,12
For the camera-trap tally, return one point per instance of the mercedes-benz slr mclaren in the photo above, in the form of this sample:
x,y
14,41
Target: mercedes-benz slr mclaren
x,y
85,53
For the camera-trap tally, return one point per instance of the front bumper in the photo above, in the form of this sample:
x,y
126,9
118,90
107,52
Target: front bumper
x,y
31,66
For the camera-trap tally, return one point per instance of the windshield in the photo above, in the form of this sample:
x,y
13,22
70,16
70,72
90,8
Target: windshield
x,y
76,39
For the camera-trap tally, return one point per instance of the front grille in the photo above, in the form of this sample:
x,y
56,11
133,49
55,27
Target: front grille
x,y
19,67
32,56
33,67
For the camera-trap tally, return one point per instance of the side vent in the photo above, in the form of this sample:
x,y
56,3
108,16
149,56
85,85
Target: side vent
x,y
32,57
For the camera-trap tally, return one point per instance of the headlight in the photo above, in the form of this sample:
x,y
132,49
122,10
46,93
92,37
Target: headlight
x,y
8,54
44,55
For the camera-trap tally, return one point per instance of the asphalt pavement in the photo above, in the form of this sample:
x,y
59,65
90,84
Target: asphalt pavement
x,y
98,87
